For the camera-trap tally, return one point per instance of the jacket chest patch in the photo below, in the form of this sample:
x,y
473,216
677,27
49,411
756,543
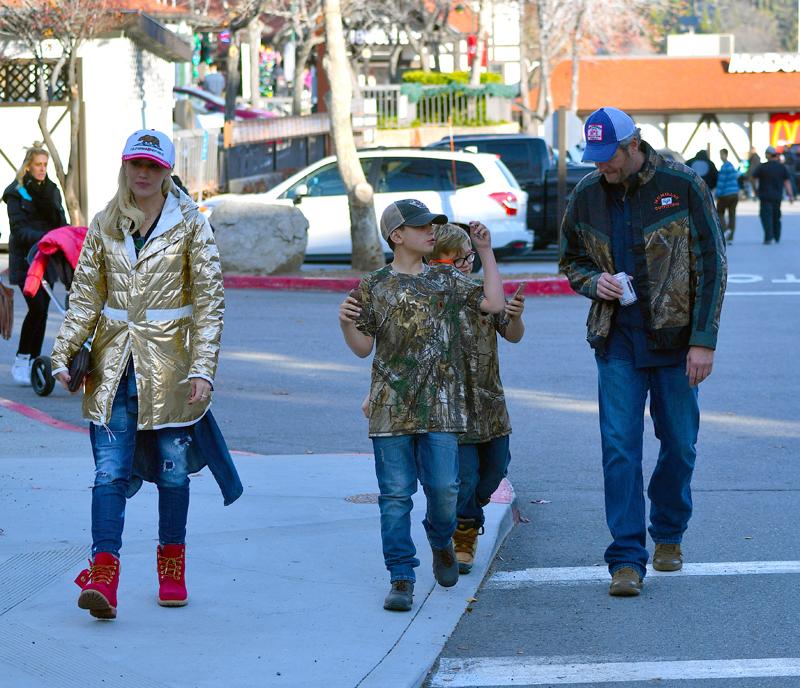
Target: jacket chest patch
x,y
667,201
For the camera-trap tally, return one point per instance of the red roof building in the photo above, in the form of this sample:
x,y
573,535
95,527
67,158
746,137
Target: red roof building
x,y
688,103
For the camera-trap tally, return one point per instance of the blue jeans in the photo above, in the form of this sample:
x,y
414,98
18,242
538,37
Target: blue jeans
x,y
481,468
113,448
676,416
401,460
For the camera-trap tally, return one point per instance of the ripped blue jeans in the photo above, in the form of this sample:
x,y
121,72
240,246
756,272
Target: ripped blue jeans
x,y
113,447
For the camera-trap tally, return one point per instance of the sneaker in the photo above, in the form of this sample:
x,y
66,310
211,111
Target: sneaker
x,y
21,369
465,540
625,582
400,597
667,557
445,566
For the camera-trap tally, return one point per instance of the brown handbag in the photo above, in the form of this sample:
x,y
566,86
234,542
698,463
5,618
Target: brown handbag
x,y
6,311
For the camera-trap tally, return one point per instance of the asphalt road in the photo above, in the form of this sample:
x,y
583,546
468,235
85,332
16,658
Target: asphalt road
x,y
287,384
740,628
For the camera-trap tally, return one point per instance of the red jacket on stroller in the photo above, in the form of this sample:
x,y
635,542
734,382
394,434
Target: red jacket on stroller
x,y
66,240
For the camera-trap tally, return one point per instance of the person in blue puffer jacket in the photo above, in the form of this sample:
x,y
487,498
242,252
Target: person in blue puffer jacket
x,y
727,194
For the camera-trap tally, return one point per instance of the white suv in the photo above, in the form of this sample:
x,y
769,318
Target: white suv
x,y
463,186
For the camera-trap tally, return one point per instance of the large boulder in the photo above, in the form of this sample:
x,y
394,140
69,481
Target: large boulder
x,y
259,238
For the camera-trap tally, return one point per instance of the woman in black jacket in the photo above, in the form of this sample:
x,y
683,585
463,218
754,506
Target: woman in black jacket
x,y
34,208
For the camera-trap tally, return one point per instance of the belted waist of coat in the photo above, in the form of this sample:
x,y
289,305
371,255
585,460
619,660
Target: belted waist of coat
x,y
150,314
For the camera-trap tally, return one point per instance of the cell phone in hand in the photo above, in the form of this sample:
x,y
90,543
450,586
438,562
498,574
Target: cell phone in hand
x,y
519,290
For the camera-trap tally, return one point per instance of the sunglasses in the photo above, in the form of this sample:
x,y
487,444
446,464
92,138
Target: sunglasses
x,y
469,259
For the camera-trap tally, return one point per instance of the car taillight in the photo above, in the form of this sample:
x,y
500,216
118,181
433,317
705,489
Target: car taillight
x,y
508,200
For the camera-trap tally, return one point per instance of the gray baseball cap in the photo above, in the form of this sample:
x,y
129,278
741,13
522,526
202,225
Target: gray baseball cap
x,y
410,212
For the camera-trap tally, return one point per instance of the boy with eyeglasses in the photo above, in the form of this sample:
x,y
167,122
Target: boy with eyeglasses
x,y
483,451
410,312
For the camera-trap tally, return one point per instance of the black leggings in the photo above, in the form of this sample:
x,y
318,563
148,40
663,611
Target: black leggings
x,y
34,325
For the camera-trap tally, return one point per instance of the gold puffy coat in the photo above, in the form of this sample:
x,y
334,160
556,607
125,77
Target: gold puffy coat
x,y
164,308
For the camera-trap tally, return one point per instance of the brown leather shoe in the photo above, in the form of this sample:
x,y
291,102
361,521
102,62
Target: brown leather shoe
x,y
625,582
667,557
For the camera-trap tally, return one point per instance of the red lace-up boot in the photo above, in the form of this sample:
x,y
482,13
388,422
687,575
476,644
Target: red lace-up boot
x,y
98,586
171,561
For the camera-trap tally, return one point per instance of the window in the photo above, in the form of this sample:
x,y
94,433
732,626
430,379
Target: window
x,y
515,154
326,181
466,174
398,175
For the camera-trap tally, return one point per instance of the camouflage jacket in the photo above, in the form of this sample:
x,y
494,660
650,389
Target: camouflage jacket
x,y
681,268
418,371
487,414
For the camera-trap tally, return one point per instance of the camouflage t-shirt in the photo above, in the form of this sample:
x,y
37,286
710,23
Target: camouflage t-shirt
x,y
418,369
487,415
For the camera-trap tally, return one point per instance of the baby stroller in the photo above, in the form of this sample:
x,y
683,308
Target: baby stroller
x,y
52,259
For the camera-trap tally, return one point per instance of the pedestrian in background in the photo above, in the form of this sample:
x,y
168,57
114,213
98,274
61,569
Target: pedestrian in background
x,y
634,228
410,312
34,208
727,195
791,160
704,168
214,82
753,163
148,289
483,451
773,181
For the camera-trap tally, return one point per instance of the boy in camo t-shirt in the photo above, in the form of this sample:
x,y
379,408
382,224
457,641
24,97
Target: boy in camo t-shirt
x,y
484,448
410,312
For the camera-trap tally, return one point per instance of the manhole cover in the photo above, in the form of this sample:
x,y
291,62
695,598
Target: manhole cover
x,y
363,498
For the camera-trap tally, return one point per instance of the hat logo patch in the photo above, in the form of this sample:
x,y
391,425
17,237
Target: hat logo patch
x,y
667,200
594,132
417,204
150,141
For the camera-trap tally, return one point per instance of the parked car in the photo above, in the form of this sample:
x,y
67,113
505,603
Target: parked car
x,y
533,165
463,186
206,103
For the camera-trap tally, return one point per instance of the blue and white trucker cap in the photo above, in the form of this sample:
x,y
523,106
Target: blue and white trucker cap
x,y
603,130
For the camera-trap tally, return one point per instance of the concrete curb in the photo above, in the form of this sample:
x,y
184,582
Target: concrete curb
x,y
410,660
539,286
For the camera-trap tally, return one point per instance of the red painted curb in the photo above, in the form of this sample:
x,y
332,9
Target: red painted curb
x,y
539,286
40,416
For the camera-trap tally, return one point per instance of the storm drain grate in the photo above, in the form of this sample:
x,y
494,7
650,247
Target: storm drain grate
x,y
49,662
26,574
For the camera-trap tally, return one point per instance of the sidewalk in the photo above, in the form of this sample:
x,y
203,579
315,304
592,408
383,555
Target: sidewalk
x,y
286,585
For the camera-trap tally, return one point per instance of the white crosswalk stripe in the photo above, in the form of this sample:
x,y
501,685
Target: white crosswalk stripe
x,y
533,671
586,574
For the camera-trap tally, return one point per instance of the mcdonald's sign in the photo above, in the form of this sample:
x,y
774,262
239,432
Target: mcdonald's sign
x,y
784,128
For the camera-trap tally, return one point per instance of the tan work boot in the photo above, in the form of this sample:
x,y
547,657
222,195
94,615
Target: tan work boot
x,y
625,582
465,540
667,557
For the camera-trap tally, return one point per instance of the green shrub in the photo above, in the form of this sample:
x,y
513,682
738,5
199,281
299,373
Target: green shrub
x,y
417,76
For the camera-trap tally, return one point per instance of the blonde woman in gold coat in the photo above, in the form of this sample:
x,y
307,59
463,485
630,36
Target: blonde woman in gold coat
x,y
148,291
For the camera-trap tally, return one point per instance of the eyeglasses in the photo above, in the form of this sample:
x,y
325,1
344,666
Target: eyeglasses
x,y
469,259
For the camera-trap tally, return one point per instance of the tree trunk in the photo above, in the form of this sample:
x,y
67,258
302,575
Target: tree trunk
x,y
480,41
232,78
577,37
545,105
71,192
254,39
422,51
524,71
66,179
394,64
367,252
301,54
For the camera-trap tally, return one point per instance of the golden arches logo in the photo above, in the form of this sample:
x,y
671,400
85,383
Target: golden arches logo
x,y
784,130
